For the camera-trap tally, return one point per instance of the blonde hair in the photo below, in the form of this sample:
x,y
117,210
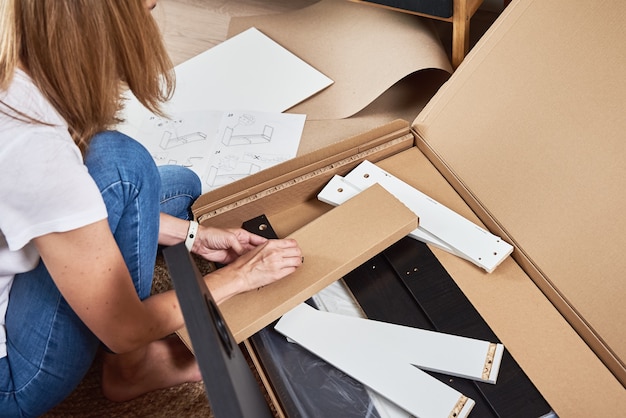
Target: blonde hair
x,y
81,54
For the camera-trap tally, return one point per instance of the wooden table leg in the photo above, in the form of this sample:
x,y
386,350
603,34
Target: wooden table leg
x,y
460,32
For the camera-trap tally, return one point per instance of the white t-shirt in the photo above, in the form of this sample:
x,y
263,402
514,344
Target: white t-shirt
x,y
44,185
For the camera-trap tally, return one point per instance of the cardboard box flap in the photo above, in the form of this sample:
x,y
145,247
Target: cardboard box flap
x,y
530,132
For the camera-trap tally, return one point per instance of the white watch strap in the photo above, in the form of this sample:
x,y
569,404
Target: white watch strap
x,y
191,234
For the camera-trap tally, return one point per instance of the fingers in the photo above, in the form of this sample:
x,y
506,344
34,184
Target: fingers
x,y
270,262
254,239
235,244
224,239
289,252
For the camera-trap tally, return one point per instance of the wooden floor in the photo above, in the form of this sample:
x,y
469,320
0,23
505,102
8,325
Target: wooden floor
x,y
193,26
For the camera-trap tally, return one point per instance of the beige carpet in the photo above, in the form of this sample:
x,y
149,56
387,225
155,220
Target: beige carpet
x,y
187,400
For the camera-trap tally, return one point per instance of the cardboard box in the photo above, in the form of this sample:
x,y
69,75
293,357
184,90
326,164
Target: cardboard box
x,y
567,372
525,138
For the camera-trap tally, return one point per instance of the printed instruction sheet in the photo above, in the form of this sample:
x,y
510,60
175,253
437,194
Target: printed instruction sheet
x,y
221,146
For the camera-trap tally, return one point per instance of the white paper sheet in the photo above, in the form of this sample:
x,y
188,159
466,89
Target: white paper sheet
x,y
249,71
221,147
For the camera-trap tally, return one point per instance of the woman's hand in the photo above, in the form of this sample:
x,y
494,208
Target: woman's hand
x,y
268,263
265,264
251,260
224,245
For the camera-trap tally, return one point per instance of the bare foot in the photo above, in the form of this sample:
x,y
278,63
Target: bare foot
x,y
161,364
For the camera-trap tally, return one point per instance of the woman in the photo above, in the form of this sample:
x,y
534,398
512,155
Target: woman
x,y
83,209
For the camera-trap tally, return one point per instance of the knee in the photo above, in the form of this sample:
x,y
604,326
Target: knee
x,y
118,147
113,155
180,188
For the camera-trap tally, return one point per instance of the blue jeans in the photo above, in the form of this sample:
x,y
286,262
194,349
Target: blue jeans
x,y
49,348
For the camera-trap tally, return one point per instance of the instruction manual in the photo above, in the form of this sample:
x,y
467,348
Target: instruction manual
x,y
221,147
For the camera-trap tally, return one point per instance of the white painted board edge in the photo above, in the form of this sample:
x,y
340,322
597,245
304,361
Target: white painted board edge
x,y
402,383
485,249
338,190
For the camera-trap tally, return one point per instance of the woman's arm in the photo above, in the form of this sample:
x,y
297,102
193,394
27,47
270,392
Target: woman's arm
x,y
252,261
172,230
91,274
267,263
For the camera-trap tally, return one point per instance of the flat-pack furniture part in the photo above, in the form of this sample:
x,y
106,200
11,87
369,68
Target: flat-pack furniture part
x,y
362,346
439,225
426,297
232,390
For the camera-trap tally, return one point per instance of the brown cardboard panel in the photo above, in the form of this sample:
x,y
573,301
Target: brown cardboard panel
x,y
531,132
565,370
333,244
294,218
403,100
355,45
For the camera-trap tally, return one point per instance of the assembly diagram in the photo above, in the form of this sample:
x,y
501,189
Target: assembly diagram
x,y
222,147
229,169
240,134
170,140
